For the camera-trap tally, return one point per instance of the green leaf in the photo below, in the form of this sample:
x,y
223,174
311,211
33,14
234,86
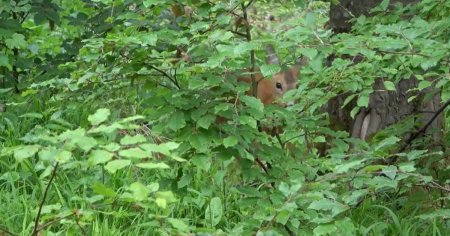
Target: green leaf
x,y
424,84
407,167
214,212
389,141
140,191
440,213
4,61
102,189
149,3
363,99
116,165
308,52
390,171
202,162
134,153
282,217
25,152
328,229
178,224
63,156
253,102
16,41
99,157
268,70
99,116
389,85
327,204
149,165
176,121
148,39
230,141
347,166
130,140
163,198
112,147
205,121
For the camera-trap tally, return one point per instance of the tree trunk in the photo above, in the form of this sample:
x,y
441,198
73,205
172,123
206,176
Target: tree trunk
x,y
385,107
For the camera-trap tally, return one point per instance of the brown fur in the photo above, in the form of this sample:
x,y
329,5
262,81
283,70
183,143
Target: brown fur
x,y
267,91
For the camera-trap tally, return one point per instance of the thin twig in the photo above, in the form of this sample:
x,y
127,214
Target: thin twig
x,y
54,221
6,231
425,127
175,82
36,221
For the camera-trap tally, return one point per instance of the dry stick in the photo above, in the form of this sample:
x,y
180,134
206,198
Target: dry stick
x,y
425,127
36,221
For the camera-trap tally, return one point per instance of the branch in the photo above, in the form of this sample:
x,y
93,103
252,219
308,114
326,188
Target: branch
x,y
175,82
54,221
425,127
36,221
6,231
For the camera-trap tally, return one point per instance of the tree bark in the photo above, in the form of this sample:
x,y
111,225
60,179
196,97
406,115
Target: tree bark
x,y
385,107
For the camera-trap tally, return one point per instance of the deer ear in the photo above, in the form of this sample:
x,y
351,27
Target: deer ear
x,y
271,57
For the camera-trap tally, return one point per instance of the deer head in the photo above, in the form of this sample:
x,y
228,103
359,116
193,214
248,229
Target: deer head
x,y
271,89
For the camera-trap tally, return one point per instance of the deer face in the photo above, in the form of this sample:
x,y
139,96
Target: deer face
x,y
271,89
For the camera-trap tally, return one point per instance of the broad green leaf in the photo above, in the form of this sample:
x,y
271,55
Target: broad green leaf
x,y
176,121
99,157
25,152
253,102
230,141
328,229
363,99
149,165
102,189
134,153
407,167
390,171
16,41
63,156
424,84
347,166
140,191
115,165
4,61
327,204
214,212
130,140
439,213
390,141
389,85
205,121
178,224
308,52
267,70
99,116
202,162
112,147
164,197
282,217
48,154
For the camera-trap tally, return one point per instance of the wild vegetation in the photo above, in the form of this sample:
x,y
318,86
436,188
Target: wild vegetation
x,y
133,118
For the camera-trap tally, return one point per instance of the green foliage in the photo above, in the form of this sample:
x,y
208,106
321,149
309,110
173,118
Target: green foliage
x,y
131,121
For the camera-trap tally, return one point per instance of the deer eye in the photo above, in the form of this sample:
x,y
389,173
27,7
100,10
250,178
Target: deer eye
x,y
278,85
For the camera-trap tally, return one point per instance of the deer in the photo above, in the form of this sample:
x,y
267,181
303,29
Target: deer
x,y
270,90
